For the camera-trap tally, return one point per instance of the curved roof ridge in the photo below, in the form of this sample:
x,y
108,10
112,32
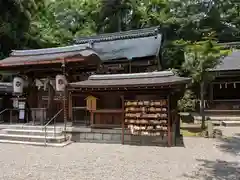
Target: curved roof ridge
x,y
131,34
54,50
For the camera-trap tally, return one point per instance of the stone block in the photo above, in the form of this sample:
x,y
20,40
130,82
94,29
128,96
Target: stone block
x,y
107,137
127,138
98,136
116,137
82,135
89,136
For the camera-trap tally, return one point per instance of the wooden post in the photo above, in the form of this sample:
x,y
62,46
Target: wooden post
x,y
169,123
70,106
123,122
202,104
91,118
130,66
211,92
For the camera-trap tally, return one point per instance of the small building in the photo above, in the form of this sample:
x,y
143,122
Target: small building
x,y
143,103
223,92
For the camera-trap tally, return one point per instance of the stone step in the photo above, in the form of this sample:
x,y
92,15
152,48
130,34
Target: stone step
x,y
62,144
32,132
22,126
231,123
31,138
219,118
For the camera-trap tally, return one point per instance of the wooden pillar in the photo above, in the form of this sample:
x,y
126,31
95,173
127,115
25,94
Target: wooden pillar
x,y
202,104
130,66
123,121
70,111
211,91
91,118
169,122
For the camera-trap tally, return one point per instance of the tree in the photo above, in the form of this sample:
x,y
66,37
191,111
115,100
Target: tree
x,y
58,23
200,57
15,17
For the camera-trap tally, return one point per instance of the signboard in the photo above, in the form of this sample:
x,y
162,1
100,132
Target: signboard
x,y
91,103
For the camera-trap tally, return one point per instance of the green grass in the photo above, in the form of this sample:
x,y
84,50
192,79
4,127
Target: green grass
x,y
187,133
191,130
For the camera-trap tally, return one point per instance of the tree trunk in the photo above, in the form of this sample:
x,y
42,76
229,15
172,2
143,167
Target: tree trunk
x,y
202,105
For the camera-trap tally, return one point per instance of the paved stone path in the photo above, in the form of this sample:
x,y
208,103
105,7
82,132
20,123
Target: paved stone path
x,y
200,159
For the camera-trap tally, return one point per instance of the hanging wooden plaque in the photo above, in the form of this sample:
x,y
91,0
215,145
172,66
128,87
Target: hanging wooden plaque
x,y
91,103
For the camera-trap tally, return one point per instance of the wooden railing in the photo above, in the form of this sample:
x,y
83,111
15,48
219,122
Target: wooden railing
x,y
106,118
80,116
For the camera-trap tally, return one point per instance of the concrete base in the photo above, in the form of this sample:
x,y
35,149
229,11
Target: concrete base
x,y
114,136
35,135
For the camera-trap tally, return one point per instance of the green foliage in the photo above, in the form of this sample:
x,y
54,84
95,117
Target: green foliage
x,y
45,23
200,57
188,102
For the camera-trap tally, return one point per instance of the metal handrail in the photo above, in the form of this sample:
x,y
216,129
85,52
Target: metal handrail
x,y
9,109
45,127
1,112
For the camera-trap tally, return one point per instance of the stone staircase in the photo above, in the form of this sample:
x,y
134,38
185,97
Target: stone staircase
x,y
33,135
221,119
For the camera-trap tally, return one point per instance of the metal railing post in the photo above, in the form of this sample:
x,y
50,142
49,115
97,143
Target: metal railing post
x,y
45,135
54,127
54,120
10,116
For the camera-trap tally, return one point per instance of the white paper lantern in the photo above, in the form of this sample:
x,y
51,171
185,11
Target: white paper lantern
x,y
61,82
18,84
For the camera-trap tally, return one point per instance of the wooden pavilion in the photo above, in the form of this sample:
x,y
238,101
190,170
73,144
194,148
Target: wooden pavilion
x,y
143,102
223,92
39,68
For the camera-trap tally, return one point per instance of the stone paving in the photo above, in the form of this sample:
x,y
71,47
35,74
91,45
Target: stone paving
x,y
200,159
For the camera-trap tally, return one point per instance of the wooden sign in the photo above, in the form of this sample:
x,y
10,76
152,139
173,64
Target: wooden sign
x,y
91,103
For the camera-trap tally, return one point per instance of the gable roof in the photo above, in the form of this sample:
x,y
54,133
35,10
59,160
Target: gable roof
x,y
230,62
112,46
150,79
129,45
46,56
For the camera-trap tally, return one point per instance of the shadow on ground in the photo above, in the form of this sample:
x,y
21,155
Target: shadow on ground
x,y
216,170
230,145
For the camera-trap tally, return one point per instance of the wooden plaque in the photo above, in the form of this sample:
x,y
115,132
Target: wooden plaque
x,y
91,103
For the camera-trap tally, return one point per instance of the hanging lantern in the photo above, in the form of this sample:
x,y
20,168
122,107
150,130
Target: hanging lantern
x,y
234,85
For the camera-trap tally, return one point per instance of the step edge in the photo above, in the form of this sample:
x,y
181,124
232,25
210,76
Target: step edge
x,y
32,136
61,144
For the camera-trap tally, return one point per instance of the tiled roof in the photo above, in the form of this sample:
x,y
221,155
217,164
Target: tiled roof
x,y
129,45
133,44
34,58
131,80
138,33
231,62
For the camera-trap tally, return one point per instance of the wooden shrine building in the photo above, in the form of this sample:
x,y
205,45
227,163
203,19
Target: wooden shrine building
x,y
223,92
144,103
38,70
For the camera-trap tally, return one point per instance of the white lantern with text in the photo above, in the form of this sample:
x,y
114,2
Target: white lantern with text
x,y
61,82
18,84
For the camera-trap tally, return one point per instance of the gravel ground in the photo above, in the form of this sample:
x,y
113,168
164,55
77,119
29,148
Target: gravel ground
x,y
203,159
